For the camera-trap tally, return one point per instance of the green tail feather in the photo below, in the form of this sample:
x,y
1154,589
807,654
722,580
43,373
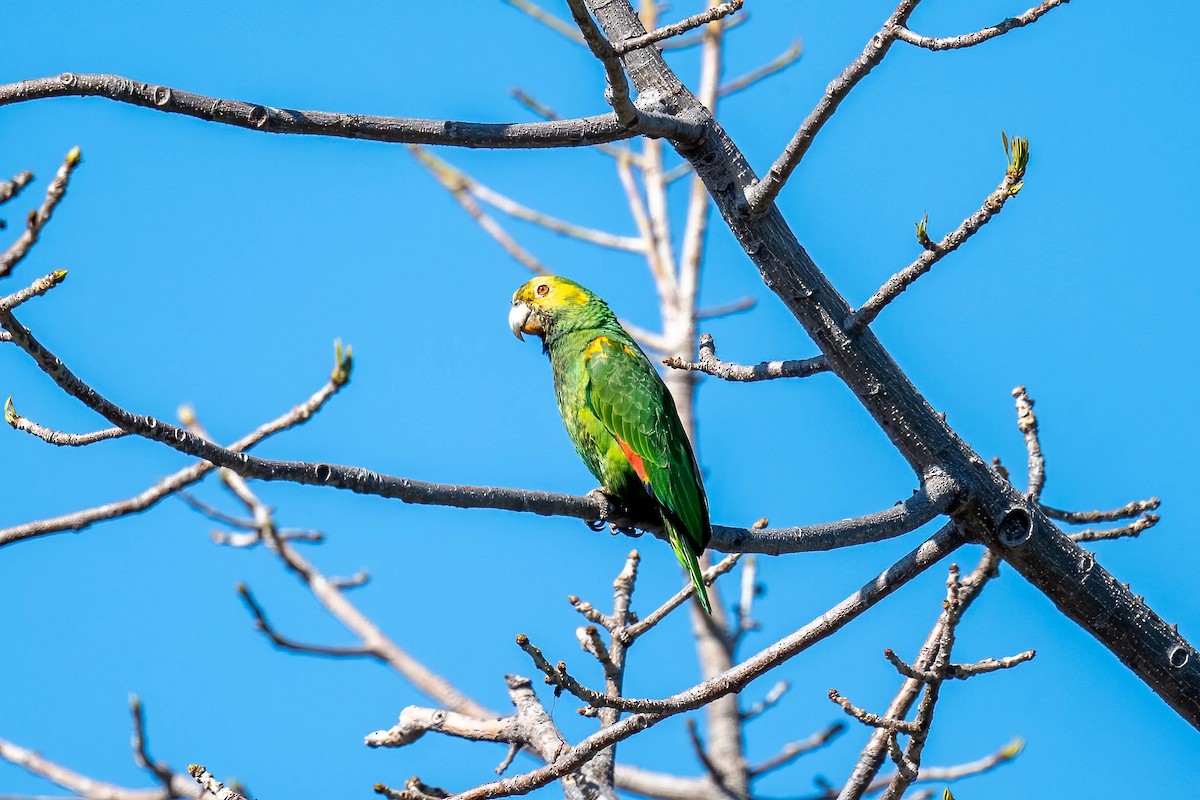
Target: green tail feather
x,y
689,562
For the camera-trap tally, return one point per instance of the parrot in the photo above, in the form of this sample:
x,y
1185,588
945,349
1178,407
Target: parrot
x,y
618,413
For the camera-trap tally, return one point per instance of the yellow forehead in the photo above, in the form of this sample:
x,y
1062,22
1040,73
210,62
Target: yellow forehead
x,y
557,292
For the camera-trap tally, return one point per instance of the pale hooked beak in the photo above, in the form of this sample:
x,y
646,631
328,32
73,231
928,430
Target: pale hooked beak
x,y
519,319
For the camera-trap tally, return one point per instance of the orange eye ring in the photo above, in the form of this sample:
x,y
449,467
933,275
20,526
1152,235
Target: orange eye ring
x,y
543,289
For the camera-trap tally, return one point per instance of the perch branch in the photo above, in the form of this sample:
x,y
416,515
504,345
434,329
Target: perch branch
x,y
565,133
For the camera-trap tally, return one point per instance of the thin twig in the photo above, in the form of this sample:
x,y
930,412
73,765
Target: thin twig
x,y
773,67
13,186
261,624
1084,517
35,289
1027,422
457,181
489,224
764,371
977,37
38,219
1017,150
141,753
546,18
763,194
1131,530
794,750
683,26
54,437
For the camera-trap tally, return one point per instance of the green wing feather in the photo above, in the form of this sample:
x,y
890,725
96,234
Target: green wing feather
x,y
628,396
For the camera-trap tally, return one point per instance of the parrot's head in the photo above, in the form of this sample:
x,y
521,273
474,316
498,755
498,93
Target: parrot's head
x,y
550,305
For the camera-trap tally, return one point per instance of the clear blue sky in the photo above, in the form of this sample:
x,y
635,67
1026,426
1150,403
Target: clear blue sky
x,y
215,266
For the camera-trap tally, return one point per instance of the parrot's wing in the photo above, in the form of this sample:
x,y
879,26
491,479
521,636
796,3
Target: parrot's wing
x,y
629,397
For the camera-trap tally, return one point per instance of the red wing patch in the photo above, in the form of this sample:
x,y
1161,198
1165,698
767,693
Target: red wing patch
x,y
635,461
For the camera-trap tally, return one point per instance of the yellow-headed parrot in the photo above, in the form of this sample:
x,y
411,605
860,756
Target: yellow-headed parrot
x,y
618,413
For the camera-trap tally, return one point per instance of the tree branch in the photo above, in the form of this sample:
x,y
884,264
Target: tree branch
x,y
929,553
773,67
977,37
54,437
1018,160
565,133
38,219
80,520
457,181
937,493
713,14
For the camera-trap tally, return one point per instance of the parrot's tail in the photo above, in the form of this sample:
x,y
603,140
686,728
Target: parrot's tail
x,y
688,561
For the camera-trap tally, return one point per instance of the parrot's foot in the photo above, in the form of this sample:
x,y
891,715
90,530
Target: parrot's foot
x,y
609,507
606,503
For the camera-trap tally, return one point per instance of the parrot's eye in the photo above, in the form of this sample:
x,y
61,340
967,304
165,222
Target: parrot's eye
x,y
543,289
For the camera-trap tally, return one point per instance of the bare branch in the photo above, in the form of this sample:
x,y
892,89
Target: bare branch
x,y
141,754
546,18
1027,422
57,437
692,40
261,623
874,720
1083,517
766,370
457,181
773,696
1018,159
35,289
667,31
38,219
931,551
1131,530
80,520
794,750
937,492
632,632
649,123
964,671
13,186
493,228
970,39
773,67
726,310
566,133
763,194
941,544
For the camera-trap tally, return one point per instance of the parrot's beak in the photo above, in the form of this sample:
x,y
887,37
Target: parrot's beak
x,y
521,319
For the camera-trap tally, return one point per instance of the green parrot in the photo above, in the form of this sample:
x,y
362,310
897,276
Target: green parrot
x,y
618,413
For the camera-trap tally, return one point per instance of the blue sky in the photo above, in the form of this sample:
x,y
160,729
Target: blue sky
x,y
216,266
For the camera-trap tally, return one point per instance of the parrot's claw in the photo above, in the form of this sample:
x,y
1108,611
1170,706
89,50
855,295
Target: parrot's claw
x,y
616,529
595,524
